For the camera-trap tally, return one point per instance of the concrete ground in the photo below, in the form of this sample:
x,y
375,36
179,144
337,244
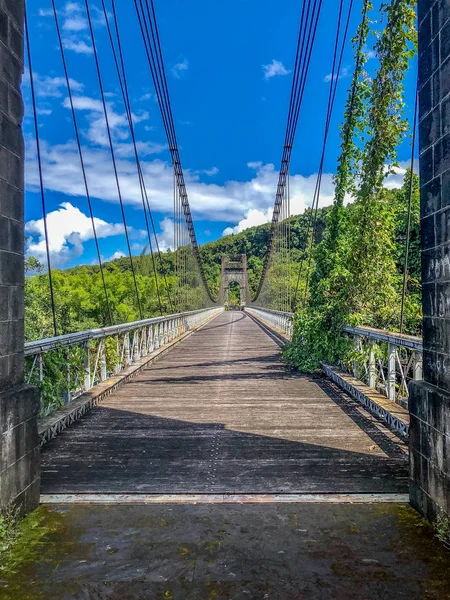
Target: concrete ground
x,y
269,551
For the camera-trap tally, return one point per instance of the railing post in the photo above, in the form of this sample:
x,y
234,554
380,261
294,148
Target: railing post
x,y
144,351
417,366
126,356
67,394
118,364
103,371
136,349
355,366
87,366
391,380
372,366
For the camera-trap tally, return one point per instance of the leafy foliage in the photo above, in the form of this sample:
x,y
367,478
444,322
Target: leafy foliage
x,y
9,529
79,296
359,263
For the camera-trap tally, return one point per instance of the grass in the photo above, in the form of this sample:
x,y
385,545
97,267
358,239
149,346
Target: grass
x,y
442,528
9,529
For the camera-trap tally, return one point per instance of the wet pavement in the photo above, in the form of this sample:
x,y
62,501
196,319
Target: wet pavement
x,y
216,551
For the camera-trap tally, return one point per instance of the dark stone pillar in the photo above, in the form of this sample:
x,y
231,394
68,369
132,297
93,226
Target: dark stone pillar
x,y
19,403
430,400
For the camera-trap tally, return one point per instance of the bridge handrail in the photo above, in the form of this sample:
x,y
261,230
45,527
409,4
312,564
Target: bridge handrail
x,y
273,311
281,322
398,339
386,361
69,339
92,356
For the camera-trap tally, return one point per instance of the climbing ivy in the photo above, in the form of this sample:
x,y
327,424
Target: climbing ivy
x,y
356,279
373,289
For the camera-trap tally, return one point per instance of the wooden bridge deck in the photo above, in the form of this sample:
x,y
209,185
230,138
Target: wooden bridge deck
x,y
220,414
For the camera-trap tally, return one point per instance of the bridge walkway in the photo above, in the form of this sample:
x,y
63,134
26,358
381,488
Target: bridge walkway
x,y
220,414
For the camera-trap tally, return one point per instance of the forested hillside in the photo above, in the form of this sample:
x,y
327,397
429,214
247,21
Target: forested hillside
x,y
79,293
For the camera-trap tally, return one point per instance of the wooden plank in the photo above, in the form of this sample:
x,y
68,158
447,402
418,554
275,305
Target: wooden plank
x,y
220,414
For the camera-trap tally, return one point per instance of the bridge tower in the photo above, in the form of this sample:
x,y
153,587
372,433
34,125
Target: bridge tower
x,y
234,269
19,403
429,401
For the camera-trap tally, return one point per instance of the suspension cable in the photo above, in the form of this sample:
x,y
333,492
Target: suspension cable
x,y
307,34
150,212
335,73
121,74
408,227
80,153
149,30
41,179
113,157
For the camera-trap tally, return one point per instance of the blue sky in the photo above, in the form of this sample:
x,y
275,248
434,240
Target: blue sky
x,y
229,74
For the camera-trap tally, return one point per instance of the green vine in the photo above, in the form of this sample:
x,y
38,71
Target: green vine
x,y
372,293
356,279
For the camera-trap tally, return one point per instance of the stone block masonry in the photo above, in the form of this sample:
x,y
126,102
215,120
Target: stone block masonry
x,y
430,401
19,404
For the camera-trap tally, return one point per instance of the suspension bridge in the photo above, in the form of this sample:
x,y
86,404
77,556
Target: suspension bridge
x,y
185,425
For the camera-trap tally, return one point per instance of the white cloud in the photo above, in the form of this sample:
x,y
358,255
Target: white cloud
x,y
240,203
252,218
302,193
78,46
68,228
117,254
229,201
369,52
166,237
179,68
211,172
345,72
74,25
274,68
97,132
395,180
51,87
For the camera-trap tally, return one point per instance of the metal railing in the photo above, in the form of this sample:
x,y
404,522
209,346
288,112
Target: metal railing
x,y
387,361
280,322
66,366
384,360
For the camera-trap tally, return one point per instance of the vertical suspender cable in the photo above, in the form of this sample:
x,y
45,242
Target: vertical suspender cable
x,y
41,180
306,38
162,267
80,153
336,68
408,227
121,74
150,35
113,158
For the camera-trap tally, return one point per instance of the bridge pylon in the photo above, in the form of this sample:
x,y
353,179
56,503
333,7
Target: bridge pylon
x,y
19,403
234,270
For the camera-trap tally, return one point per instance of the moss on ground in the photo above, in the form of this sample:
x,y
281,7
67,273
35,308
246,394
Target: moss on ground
x,y
42,538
